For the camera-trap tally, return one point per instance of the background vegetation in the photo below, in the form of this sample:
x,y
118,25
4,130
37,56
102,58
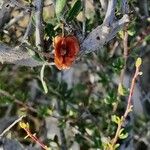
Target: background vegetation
x,y
83,105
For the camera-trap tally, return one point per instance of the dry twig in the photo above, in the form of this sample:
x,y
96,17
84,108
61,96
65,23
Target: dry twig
x,y
8,128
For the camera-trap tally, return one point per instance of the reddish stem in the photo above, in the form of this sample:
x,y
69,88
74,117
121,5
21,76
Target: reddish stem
x,y
127,108
34,138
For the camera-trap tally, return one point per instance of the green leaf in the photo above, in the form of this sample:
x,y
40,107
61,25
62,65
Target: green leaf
x,y
53,144
44,111
132,31
34,54
89,131
147,38
5,100
42,78
60,4
111,97
104,78
123,135
122,90
117,145
49,30
116,119
118,64
31,53
74,11
121,34
138,62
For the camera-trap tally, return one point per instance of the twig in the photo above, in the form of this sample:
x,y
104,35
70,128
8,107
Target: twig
x,y
5,13
104,5
76,130
117,25
2,92
96,39
113,50
110,14
28,30
125,56
101,35
8,128
129,106
39,31
33,137
84,18
143,5
145,8
18,4
125,7
17,55
136,10
8,110
16,19
62,134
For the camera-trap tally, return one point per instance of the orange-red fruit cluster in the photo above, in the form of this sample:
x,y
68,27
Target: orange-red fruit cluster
x,y
66,49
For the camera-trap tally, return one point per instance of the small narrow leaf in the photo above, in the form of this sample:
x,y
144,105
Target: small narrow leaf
x,y
120,89
121,34
138,62
130,108
42,78
140,73
31,52
60,4
24,125
89,131
117,145
34,54
116,119
131,32
74,11
123,135
147,38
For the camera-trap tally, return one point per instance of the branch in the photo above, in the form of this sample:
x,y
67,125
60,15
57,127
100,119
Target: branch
x,y
25,126
84,18
110,13
125,7
17,101
129,102
125,56
18,55
29,30
105,32
39,34
144,8
6,9
17,18
5,13
93,42
104,4
11,125
101,35
62,133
